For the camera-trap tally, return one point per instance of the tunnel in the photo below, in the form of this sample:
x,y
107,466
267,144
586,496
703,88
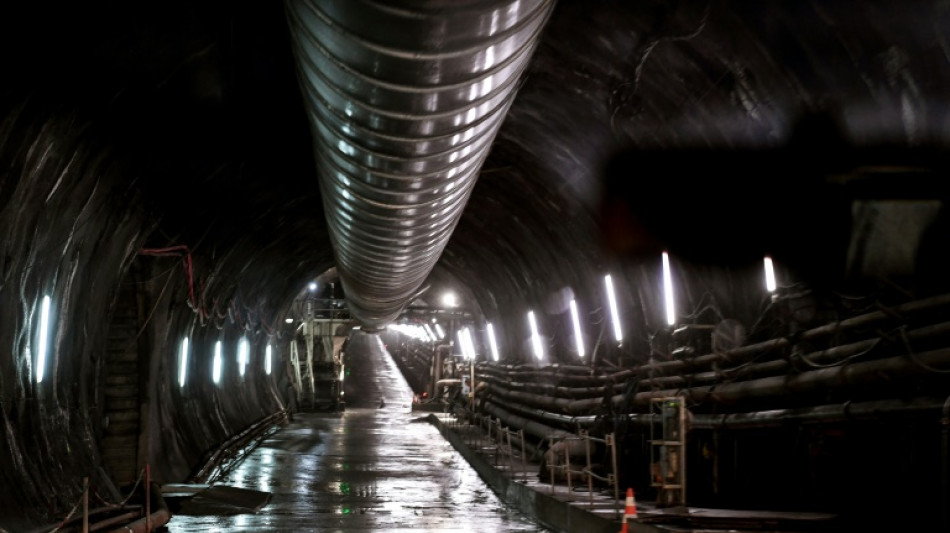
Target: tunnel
x,y
707,238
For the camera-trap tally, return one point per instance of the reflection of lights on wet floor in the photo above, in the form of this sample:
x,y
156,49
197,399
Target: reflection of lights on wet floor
x,y
265,476
370,469
257,473
397,492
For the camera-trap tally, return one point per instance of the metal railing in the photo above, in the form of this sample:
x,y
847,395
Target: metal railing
x,y
487,434
502,438
492,437
587,472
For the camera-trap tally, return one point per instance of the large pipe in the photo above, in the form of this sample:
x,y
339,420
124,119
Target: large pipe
x,y
818,414
546,434
934,306
444,383
830,356
404,100
588,399
813,383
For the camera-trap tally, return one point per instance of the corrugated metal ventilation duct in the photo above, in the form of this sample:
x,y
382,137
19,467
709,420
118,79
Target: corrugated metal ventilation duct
x,y
404,99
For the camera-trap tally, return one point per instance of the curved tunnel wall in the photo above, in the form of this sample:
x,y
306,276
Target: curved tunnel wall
x,y
404,103
65,183
189,422
61,185
87,196
75,219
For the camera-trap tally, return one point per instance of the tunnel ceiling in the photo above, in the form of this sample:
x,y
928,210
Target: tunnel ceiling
x,y
629,111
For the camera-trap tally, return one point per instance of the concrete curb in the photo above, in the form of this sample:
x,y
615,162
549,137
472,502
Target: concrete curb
x,y
550,512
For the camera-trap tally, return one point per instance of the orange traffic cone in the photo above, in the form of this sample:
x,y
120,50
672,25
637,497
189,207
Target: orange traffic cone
x,y
630,511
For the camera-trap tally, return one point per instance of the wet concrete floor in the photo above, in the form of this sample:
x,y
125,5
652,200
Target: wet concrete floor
x,y
377,466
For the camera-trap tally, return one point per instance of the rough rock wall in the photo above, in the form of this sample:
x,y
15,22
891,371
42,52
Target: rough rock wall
x,y
74,223
71,228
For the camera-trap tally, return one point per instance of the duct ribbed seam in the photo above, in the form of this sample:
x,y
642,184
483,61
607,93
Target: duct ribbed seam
x,y
404,100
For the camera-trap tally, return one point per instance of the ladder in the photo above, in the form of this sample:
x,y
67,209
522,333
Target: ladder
x,y
317,369
668,450
302,374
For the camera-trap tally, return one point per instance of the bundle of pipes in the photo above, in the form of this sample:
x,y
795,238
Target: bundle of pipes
x,y
774,378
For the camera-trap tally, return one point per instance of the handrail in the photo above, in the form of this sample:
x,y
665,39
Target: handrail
x,y
610,479
152,521
237,441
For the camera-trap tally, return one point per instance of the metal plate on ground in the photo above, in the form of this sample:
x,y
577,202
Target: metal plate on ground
x,y
222,500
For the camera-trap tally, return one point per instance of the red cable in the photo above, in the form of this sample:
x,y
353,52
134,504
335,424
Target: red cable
x,y
203,314
164,251
171,251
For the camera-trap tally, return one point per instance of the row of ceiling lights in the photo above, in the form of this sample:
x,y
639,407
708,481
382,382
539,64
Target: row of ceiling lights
x,y
243,359
467,345
424,332
243,351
